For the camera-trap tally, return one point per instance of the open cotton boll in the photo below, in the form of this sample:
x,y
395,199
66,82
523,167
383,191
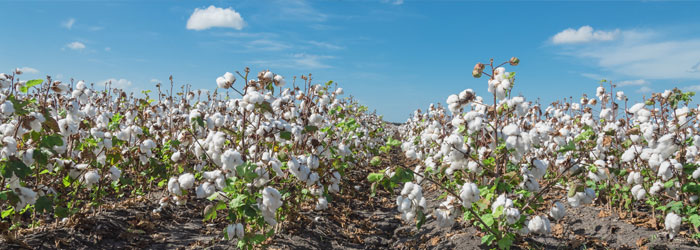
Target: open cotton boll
x,y
696,174
469,194
638,192
186,181
174,186
557,211
322,203
539,225
665,171
91,178
114,173
673,224
176,156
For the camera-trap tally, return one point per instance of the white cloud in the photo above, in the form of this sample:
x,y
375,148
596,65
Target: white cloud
x,y
76,46
299,61
394,2
202,19
108,49
644,89
29,70
154,80
583,35
642,54
638,82
297,10
68,24
311,61
122,83
326,45
266,45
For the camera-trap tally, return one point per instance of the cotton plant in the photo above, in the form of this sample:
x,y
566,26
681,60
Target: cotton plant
x,y
234,143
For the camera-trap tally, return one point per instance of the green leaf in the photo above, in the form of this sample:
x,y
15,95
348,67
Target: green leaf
x,y
569,147
8,212
421,218
30,84
375,177
50,141
487,239
310,129
506,242
695,220
286,135
43,204
498,212
16,166
375,161
239,201
402,175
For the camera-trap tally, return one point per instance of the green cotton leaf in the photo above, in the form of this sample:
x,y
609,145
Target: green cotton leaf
x,y
488,219
498,212
375,177
691,188
30,84
16,166
569,147
8,212
264,106
310,129
669,183
375,161
402,175
43,204
50,141
239,201
210,214
286,135
487,239
505,242
421,218
695,220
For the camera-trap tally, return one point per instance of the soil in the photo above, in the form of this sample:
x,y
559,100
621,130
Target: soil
x,y
354,220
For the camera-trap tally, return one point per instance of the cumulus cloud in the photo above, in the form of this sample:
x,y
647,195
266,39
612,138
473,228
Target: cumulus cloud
x,y
76,46
68,24
29,70
642,54
638,82
584,34
202,19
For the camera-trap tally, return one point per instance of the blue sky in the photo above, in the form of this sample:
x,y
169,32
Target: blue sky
x,y
394,56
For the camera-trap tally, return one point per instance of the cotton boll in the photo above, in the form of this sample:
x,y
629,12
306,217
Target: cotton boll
x,y
696,174
673,224
186,181
114,173
638,192
539,225
469,194
91,178
174,186
176,156
322,203
558,211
